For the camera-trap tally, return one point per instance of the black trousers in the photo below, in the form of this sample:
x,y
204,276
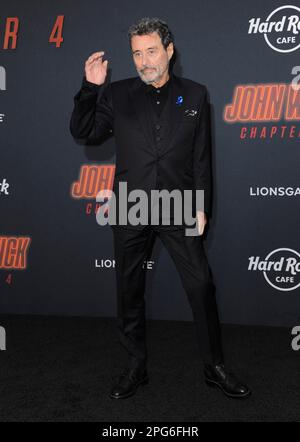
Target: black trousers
x,y
132,247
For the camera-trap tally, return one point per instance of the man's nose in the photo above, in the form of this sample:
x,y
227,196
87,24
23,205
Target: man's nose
x,y
144,61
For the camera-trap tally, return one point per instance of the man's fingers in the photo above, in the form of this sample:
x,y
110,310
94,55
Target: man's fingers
x,y
97,56
93,60
201,221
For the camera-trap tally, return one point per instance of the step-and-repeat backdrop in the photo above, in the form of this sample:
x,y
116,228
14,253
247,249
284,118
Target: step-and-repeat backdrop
x,y
54,256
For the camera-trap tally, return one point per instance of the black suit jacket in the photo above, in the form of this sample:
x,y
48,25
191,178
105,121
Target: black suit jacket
x,y
119,109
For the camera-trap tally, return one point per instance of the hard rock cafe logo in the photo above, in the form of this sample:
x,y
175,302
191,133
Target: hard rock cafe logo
x,y
280,29
261,103
280,268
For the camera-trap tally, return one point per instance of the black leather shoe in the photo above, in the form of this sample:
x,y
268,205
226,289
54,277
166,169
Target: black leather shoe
x,y
217,376
128,382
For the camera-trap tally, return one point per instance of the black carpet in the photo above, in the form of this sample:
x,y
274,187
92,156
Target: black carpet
x,y
61,369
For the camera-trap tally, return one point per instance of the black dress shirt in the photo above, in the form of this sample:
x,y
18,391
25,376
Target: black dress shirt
x,y
158,96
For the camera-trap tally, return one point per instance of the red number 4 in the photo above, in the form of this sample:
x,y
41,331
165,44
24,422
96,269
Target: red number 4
x,y
57,29
9,279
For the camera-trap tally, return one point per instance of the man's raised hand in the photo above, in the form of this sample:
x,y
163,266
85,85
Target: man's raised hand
x,y
95,68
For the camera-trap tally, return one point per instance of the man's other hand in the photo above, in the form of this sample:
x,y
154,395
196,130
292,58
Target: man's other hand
x,y
201,221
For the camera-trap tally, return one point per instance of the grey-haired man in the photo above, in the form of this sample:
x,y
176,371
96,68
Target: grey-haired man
x,y
159,146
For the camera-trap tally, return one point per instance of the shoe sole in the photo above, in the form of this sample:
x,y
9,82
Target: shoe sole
x,y
132,392
215,384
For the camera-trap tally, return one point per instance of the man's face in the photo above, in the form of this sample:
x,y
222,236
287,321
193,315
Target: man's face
x,y
150,57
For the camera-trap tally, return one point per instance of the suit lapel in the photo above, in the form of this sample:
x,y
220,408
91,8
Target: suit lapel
x,y
176,112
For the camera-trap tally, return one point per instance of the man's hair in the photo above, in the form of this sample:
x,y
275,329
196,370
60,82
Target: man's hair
x,y
148,25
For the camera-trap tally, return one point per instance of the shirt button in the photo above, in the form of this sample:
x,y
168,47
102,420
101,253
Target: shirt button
x,y
158,138
157,126
158,91
158,102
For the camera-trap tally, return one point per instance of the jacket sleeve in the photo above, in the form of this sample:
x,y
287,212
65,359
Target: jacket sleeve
x,y
202,154
92,116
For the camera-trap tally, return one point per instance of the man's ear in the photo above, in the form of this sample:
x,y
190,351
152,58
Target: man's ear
x,y
170,50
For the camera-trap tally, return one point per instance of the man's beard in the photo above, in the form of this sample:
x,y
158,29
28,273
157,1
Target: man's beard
x,y
155,76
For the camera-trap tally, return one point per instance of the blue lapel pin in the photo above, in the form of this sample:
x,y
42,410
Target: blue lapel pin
x,y
179,100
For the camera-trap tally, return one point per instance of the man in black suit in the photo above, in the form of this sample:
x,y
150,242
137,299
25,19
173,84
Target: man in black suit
x,y
162,130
